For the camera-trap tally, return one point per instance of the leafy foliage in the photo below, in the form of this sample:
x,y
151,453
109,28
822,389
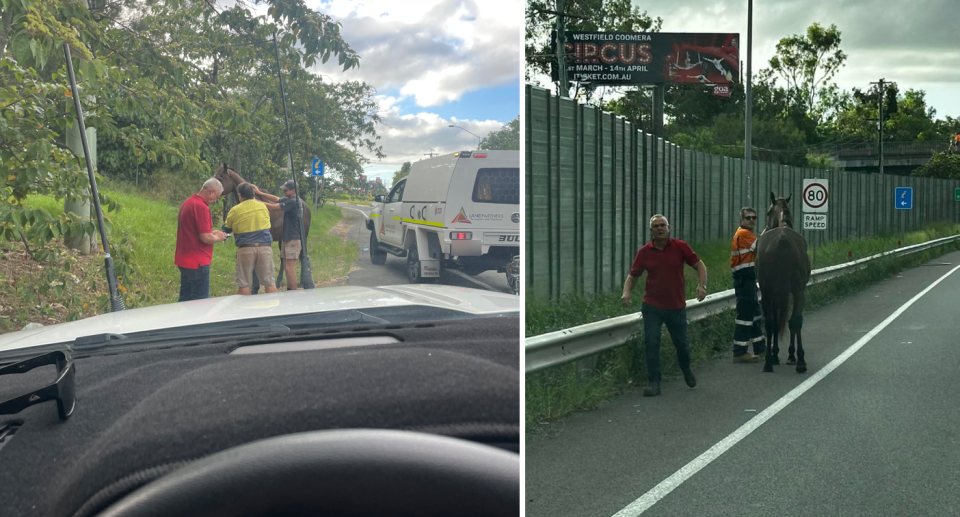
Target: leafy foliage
x,y
506,138
402,173
169,86
941,165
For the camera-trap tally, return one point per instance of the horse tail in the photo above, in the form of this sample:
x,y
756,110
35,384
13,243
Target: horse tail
x,y
781,306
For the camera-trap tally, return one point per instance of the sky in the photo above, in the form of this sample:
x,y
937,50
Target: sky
x,y
915,44
434,63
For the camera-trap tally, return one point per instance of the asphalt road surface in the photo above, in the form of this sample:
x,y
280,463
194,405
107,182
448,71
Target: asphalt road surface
x,y
394,271
877,434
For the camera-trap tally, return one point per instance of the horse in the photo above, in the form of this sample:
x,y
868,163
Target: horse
x,y
230,180
783,270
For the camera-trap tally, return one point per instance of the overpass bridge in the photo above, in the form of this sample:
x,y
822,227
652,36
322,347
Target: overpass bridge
x,y
898,157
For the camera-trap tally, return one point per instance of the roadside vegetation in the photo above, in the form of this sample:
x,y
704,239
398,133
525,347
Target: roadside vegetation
x,y
555,393
173,89
67,286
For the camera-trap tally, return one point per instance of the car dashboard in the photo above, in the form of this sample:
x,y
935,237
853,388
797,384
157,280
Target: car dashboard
x,y
144,413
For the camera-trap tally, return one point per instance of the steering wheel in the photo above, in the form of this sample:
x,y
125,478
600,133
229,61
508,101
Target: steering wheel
x,y
338,473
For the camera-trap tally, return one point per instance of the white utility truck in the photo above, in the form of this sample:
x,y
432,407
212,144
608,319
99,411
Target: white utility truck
x,y
460,210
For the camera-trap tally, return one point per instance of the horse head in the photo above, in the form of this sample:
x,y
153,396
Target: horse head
x,y
228,178
779,213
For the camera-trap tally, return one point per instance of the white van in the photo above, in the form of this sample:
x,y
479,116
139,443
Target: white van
x,y
460,210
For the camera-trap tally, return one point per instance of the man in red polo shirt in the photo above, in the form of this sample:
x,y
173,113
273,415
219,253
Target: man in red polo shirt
x,y
663,299
195,240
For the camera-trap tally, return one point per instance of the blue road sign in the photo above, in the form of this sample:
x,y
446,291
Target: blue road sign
x,y
317,169
903,198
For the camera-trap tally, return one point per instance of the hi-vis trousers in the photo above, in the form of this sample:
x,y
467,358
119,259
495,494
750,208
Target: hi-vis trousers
x,y
748,330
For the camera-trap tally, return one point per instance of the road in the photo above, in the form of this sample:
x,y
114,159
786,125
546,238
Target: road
x,y
878,435
394,271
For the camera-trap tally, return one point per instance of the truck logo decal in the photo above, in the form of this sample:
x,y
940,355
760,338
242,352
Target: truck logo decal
x,y
381,228
461,218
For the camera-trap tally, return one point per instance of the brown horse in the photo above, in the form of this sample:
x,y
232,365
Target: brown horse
x,y
231,180
783,270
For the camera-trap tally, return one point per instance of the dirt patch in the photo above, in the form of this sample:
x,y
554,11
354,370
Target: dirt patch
x,y
47,292
343,280
341,229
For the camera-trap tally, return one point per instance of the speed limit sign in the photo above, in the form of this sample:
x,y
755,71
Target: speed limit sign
x,y
815,196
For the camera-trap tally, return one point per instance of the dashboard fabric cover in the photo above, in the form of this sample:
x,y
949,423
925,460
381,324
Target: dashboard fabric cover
x,y
141,409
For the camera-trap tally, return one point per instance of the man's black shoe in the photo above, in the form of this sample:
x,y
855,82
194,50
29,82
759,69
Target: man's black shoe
x,y
689,377
652,389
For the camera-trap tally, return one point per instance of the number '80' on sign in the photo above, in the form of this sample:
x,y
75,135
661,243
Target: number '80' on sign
x,y
815,195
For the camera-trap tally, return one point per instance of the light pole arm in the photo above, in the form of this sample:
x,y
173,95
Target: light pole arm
x,y
480,140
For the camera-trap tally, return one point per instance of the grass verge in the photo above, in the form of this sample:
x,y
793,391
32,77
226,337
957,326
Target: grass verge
x,y
585,385
152,224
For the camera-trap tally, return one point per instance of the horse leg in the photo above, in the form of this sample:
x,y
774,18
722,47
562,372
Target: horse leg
x,y
776,343
791,359
280,274
771,324
796,323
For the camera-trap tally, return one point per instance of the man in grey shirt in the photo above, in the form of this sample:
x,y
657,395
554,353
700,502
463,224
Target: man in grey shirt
x,y
290,244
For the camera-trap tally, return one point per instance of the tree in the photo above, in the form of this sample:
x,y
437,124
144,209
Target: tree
x,y
505,138
584,15
402,173
163,93
941,165
808,62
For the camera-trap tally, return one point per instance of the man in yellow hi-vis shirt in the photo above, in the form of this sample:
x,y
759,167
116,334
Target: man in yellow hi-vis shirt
x,y
250,223
743,254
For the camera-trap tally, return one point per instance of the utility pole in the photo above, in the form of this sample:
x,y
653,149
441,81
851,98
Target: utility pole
x,y
562,51
882,83
880,124
431,153
748,138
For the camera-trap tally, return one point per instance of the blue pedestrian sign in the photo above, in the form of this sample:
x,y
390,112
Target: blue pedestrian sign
x,y
317,169
903,198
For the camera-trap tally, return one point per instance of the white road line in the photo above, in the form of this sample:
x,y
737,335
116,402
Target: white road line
x,y
687,471
365,215
474,280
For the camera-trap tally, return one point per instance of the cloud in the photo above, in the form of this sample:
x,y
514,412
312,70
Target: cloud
x,y
423,55
411,136
434,51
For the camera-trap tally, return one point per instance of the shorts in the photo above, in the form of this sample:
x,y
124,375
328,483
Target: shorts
x,y
255,258
290,249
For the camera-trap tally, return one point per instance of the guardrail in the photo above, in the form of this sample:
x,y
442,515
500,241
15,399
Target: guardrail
x,y
557,348
890,149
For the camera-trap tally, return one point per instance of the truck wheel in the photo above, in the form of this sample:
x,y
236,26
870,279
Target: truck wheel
x,y
413,269
377,256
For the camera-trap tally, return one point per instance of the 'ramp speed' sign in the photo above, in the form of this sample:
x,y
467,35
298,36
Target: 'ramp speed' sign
x,y
815,199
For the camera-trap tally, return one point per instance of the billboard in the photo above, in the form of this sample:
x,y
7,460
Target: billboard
x,y
631,58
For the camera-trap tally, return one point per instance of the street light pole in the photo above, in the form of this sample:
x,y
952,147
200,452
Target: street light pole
x,y
480,140
748,148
